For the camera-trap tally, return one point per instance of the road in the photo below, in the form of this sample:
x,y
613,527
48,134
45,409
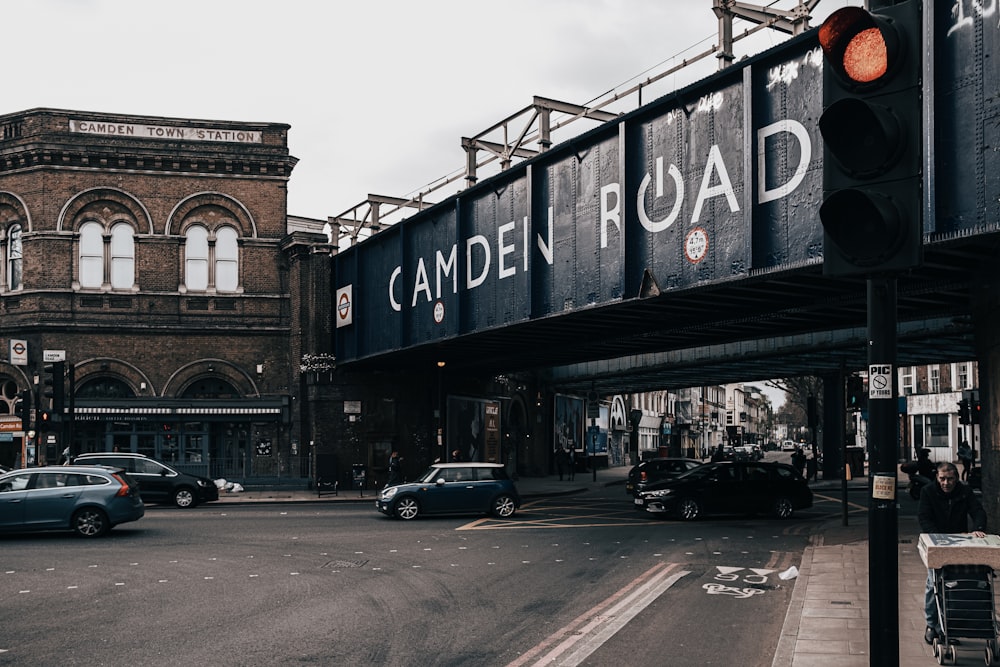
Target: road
x,y
580,579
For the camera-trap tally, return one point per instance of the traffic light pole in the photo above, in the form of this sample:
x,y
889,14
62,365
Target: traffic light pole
x,y
883,434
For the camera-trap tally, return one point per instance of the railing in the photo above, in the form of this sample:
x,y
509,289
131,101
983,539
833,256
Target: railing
x,y
237,469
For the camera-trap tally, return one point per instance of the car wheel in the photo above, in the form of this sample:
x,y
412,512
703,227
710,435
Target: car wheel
x,y
783,508
90,522
407,508
504,507
184,497
688,509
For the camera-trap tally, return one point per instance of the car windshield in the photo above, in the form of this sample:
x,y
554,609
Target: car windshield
x,y
431,475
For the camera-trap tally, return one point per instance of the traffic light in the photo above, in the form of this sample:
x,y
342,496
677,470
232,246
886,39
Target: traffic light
x,y
55,377
22,409
855,392
964,414
975,411
44,420
872,128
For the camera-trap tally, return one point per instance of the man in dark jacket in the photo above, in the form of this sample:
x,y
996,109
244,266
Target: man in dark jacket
x,y
945,507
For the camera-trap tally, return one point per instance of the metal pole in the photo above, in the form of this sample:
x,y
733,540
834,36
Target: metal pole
x,y
883,526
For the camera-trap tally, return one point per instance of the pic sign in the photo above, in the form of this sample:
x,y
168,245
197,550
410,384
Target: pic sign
x,y
879,381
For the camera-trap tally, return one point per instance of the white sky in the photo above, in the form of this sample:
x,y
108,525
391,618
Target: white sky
x,y
378,93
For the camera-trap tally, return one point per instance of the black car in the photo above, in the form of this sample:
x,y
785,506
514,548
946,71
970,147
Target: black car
x,y
655,470
729,487
158,482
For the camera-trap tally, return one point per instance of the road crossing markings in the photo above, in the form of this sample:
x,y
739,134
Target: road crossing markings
x,y
573,643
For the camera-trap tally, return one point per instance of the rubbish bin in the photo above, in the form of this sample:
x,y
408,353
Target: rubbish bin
x,y
856,461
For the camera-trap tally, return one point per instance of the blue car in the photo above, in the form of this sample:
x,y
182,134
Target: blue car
x,y
88,500
453,488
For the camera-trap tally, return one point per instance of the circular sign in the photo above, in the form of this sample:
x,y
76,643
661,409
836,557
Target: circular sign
x,y
19,347
344,306
696,245
438,312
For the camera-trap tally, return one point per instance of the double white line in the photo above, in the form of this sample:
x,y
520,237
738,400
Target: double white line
x,y
574,642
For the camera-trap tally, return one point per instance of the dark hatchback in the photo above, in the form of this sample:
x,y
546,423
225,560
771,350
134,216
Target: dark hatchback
x,y
158,482
453,488
655,470
729,487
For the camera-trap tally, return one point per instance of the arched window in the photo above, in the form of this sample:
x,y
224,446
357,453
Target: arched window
x,y
91,254
122,256
211,259
14,257
227,277
196,258
107,260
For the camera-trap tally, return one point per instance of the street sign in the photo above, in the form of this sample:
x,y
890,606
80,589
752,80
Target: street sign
x,y
51,356
879,381
18,352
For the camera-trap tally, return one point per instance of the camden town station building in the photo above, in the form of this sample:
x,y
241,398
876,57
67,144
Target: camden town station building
x,y
156,259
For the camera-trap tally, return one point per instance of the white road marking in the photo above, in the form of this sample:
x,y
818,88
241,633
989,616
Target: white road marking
x,y
575,642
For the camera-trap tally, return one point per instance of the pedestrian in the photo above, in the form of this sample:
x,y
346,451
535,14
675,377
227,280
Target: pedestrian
x,y
570,464
561,462
395,470
812,469
456,456
965,456
799,460
946,507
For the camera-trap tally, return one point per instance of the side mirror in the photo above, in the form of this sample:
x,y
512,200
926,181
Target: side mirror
x,y
439,481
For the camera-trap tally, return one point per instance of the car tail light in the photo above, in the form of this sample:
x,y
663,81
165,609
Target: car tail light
x,y
125,490
642,476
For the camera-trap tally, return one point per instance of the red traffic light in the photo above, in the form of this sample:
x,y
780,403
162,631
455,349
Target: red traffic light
x,y
863,48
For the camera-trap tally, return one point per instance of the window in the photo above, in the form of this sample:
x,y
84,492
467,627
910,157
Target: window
x,y
122,257
14,256
908,380
118,249
963,375
933,379
226,260
196,259
211,262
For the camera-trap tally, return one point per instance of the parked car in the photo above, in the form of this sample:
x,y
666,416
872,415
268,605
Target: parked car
x,y
788,446
654,470
453,488
158,482
730,487
85,499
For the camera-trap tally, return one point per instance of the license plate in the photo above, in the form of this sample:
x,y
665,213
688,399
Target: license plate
x,y
638,501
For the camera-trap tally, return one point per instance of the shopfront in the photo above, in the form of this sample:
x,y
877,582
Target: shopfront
x,y
236,440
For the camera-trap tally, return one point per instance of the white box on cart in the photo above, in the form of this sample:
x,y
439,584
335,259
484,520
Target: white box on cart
x,y
940,549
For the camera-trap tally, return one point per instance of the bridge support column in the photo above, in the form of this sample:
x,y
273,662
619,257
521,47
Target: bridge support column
x,y
986,323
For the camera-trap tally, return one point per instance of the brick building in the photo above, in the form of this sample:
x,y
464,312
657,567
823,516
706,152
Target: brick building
x,y
157,255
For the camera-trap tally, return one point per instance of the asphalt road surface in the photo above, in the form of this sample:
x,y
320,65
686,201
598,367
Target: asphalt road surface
x,y
574,580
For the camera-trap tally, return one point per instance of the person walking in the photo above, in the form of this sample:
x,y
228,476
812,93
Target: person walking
x,y
395,470
965,457
946,507
571,464
799,461
561,462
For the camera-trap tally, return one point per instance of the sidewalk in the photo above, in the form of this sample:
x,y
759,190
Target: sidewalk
x,y
827,623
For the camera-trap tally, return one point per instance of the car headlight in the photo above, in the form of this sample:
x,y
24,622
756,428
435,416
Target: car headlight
x,y
203,484
387,494
659,493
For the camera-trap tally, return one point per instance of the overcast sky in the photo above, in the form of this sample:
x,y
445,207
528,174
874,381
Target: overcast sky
x,y
378,94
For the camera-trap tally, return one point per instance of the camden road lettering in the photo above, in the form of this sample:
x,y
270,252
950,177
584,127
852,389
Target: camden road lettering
x,y
432,276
